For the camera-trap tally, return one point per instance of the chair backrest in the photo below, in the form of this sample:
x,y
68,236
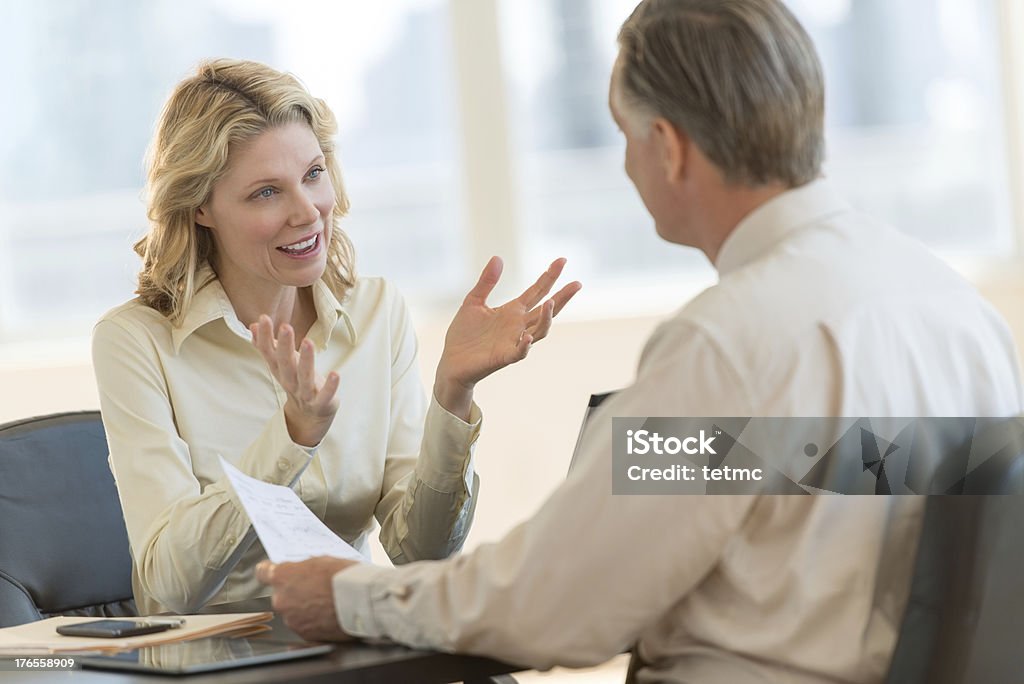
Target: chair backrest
x,y
967,595
63,544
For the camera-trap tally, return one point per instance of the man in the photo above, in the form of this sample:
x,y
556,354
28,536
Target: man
x,y
818,312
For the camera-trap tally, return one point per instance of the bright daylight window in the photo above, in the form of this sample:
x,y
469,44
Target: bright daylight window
x,y
90,79
915,116
915,133
915,128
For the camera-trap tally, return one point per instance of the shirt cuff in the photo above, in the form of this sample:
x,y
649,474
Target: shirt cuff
x,y
446,456
354,591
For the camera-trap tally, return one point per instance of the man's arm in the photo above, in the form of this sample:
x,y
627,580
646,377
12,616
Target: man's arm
x,y
578,582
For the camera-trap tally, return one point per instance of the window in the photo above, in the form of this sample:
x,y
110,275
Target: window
x,y
915,128
575,197
468,127
92,76
915,120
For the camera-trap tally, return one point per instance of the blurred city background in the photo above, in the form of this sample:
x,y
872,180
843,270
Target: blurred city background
x,y
916,134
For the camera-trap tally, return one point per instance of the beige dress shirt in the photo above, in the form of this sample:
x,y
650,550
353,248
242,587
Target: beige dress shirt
x,y
818,311
175,398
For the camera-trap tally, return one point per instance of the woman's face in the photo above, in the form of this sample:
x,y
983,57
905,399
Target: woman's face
x,y
270,214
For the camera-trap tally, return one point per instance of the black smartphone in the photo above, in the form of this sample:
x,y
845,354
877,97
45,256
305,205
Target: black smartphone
x,y
111,629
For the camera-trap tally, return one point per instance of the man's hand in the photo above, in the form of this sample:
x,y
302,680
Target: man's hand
x,y
304,597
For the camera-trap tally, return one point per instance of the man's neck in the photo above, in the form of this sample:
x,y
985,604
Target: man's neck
x,y
726,209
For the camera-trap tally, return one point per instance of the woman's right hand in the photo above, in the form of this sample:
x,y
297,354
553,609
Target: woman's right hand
x,y
312,402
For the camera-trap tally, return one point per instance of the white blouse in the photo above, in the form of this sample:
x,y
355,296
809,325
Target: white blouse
x,y
173,399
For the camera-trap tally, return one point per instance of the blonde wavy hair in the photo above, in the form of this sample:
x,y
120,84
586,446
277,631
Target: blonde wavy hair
x,y
226,103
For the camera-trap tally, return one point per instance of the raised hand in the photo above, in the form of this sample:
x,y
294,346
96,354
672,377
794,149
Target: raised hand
x,y
481,340
312,402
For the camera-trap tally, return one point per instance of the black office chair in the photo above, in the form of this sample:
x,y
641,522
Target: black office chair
x,y
967,592
63,543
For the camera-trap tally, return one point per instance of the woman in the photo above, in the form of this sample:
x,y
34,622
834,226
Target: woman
x,y
253,339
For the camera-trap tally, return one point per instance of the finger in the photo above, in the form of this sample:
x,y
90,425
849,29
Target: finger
x,y
562,297
255,330
330,388
265,572
259,337
287,367
263,338
267,330
488,279
306,373
522,348
540,289
547,312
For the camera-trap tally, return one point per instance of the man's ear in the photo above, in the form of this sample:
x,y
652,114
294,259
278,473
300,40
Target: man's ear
x,y
673,148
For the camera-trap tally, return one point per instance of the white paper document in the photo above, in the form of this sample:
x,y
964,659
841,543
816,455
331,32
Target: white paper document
x,y
288,530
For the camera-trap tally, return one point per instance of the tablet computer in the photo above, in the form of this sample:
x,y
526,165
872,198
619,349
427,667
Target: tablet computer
x,y
204,655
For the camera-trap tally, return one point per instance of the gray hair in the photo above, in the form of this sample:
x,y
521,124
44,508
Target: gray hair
x,y
740,77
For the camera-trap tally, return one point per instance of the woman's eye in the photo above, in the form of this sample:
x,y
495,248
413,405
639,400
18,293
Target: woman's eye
x,y
265,193
315,173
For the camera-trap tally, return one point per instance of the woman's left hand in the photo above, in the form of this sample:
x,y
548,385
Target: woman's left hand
x,y
481,340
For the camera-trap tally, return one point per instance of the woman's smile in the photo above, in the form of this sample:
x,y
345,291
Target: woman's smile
x,y
303,249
